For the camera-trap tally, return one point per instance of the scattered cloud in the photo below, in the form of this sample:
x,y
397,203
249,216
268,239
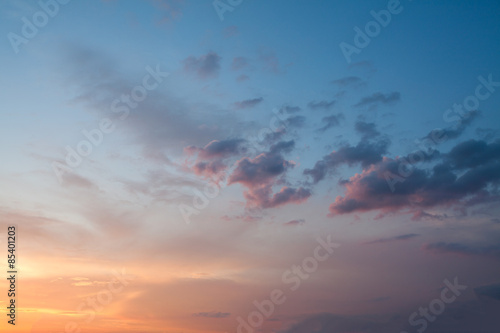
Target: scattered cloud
x,y
295,222
378,98
205,66
465,249
248,103
231,31
331,121
239,63
393,239
212,314
321,105
367,130
349,81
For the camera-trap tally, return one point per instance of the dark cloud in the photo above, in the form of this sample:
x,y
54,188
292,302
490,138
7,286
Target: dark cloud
x,y
218,149
348,81
455,180
248,103
392,239
331,121
209,162
442,135
288,109
473,153
259,170
490,291
239,63
487,134
423,215
262,197
295,222
205,66
465,249
242,78
296,121
328,323
209,169
365,153
364,65
261,173
324,105
282,147
378,98
367,130
212,314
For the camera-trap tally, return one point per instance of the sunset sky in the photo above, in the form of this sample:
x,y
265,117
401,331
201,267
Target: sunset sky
x,y
286,166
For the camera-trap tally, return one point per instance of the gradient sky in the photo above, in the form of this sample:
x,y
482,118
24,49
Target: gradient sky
x,y
257,137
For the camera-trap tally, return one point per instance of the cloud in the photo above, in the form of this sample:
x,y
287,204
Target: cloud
x,y
295,222
463,177
218,148
331,121
441,135
392,239
270,62
378,98
262,197
209,169
464,249
212,314
239,63
325,105
348,81
261,173
170,10
73,179
367,130
288,109
296,121
248,103
372,188
473,153
260,169
205,66
242,78
210,159
328,323
231,31
490,291
365,153
159,123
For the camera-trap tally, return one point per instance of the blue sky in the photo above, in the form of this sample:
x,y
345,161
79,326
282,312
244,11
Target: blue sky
x,y
248,138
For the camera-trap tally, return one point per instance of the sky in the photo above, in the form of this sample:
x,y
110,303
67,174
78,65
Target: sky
x,y
287,166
